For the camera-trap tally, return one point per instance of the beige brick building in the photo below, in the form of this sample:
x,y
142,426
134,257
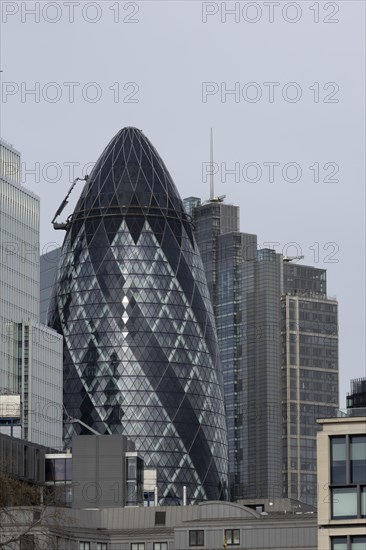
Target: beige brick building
x,y
341,456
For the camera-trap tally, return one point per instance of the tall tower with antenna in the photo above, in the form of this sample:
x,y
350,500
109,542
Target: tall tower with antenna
x,y
212,181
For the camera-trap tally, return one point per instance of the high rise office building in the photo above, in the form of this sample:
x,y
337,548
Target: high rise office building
x,y
277,334
131,301
309,373
48,265
30,353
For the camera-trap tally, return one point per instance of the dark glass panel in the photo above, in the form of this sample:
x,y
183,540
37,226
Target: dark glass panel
x,y
338,460
358,458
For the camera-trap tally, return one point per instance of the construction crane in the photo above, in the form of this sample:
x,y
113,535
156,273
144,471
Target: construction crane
x,y
291,258
71,420
64,225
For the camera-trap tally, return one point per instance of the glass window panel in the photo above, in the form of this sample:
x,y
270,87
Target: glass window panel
x,y
363,501
338,448
232,536
358,459
358,542
68,469
358,447
344,502
131,468
196,538
60,473
338,460
50,469
339,543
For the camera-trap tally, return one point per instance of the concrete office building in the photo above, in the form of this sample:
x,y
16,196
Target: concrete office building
x,y
22,460
342,482
277,333
98,471
209,525
30,353
309,373
131,301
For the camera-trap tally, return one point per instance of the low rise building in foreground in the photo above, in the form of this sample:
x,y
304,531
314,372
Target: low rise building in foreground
x,y
211,525
342,483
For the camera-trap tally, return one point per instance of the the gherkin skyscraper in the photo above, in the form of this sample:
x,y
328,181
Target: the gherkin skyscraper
x,y
131,300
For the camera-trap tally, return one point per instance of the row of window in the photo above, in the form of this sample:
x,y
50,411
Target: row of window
x,y
357,542
156,546
87,545
231,537
134,546
348,476
348,459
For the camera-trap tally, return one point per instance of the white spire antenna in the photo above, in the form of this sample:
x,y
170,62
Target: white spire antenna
x,y
212,183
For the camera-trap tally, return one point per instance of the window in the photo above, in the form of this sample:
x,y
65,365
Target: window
x,y
196,538
358,458
27,542
232,537
84,545
344,502
338,460
357,542
363,502
160,546
160,518
131,468
348,477
138,546
101,546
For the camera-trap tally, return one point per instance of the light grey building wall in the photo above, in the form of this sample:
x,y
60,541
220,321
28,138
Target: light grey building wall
x,y
19,266
30,353
33,371
22,460
210,526
106,472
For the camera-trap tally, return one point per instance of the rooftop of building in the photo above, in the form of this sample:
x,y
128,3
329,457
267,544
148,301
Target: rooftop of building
x,y
133,520
358,385
346,416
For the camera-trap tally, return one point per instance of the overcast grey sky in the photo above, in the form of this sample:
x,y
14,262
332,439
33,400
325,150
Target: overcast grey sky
x,y
296,70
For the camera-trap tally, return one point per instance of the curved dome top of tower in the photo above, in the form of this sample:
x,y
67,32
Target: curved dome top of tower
x,y
129,177
131,300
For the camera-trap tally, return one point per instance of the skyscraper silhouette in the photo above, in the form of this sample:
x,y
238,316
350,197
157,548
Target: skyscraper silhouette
x,y
132,303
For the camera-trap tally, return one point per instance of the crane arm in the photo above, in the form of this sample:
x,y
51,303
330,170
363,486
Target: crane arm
x,y
63,204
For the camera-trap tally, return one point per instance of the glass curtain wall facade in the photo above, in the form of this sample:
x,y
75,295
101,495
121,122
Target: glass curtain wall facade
x,y
309,374
30,354
245,288
48,265
267,310
140,346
